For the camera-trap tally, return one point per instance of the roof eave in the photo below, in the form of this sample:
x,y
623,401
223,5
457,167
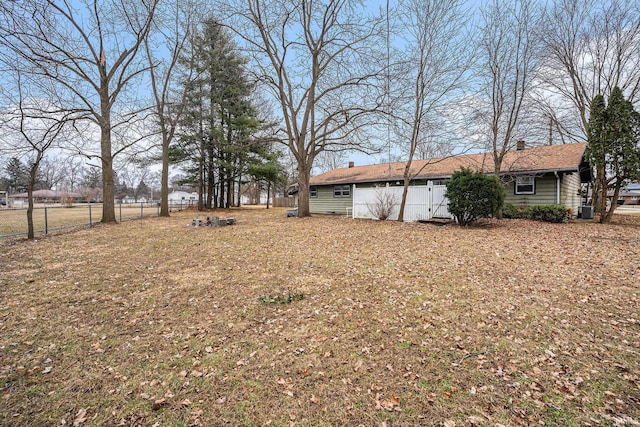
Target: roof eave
x,y
445,176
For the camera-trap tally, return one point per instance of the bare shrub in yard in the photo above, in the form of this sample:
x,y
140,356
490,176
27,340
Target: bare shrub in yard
x,y
384,202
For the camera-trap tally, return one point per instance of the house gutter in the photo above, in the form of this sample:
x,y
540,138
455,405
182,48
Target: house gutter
x,y
557,187
434,177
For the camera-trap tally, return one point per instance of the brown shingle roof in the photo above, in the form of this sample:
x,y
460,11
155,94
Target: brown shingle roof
x,y
549,158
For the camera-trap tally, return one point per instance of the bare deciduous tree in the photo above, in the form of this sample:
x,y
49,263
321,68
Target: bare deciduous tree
x,y
51,172
590,47
30,130
71,170
130,176
172,29
329,160
89,51
320,62
438,56
510,58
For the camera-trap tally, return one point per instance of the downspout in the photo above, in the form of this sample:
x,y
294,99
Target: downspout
x,y
557,187
353,201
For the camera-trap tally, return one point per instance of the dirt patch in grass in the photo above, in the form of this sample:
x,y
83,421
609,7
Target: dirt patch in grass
x,y
322,321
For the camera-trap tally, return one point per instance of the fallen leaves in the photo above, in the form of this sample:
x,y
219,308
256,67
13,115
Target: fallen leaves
x,y
80,418
159,403
414,321
392,403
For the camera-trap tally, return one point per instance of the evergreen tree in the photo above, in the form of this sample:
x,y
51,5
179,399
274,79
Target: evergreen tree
x,y
596,150
614,139
219,121
473,195
266,169
142,190
17,178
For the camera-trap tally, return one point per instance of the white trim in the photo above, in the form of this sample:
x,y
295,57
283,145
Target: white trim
x,y
533,185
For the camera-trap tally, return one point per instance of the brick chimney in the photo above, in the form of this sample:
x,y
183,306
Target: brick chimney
x,y
351,164
520,145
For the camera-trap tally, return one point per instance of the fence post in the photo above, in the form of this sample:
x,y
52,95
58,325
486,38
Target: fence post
x,y
46,221
141,210
90,222
120,211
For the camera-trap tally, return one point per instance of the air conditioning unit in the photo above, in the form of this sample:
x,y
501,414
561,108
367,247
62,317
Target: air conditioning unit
x,y
587,212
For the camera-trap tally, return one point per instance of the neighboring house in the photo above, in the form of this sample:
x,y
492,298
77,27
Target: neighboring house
x,y
630,194
183,198
627,196
131,199
46,196
535,176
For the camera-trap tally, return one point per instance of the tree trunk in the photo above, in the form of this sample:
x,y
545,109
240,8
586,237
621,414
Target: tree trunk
x,y
164,177
201,169
30,228
496,171
614,204
405,192
221,192
211,181
600,191
33,172
304,174
108,189
238,189
602,194
268,191
229,191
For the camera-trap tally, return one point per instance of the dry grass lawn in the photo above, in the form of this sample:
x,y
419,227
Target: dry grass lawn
x,y
14,221
322,321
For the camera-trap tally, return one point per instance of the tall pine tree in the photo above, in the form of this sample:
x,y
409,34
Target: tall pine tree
x,y
217,138
614,148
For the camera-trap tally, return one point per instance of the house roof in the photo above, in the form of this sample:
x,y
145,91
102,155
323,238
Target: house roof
x,y
538,160
633,186
47,194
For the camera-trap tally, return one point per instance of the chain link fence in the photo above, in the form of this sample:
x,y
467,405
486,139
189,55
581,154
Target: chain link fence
x,y
52,218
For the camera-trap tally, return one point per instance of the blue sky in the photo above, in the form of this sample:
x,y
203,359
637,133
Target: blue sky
x,y
363,159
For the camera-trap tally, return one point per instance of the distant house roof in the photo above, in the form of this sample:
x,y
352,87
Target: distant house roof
x,y
633,186
47,194
538,160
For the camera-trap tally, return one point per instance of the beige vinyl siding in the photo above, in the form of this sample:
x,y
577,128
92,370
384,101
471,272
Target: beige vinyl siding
x,y
545,193
570,191
326,203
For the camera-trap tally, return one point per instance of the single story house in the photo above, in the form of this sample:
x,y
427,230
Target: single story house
x,y
183,198
130,199
533,176
626,196
629,194
46,196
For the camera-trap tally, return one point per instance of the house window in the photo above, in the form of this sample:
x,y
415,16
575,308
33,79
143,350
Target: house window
x,y
313,191
341,191
525,185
